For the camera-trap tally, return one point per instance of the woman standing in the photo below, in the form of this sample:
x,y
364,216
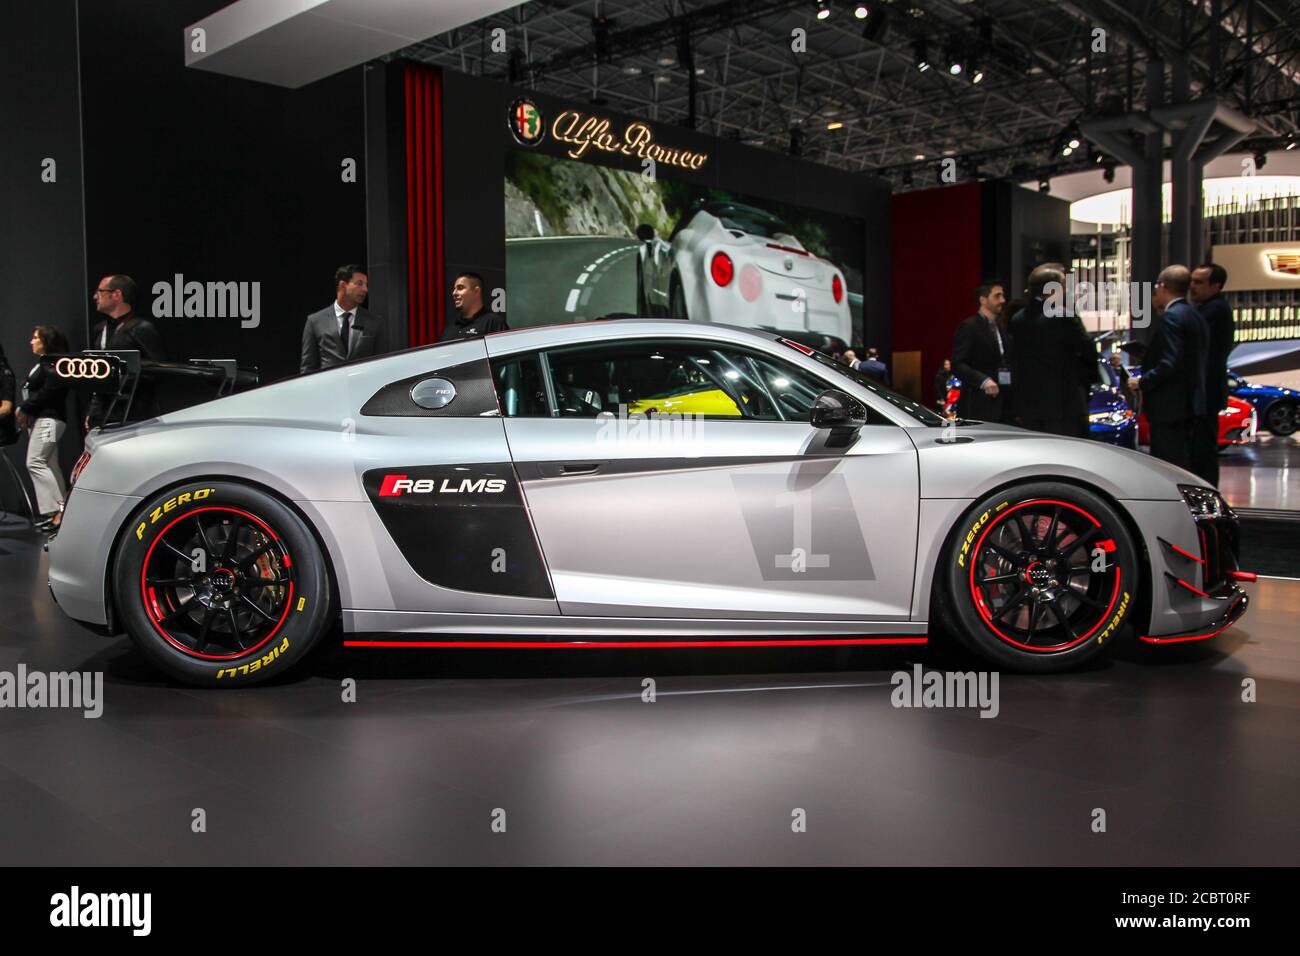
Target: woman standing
x,y
44,411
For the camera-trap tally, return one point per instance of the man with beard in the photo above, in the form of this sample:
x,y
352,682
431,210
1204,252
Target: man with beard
x,y
981,358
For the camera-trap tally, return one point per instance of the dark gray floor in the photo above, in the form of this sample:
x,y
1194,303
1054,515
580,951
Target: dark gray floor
x,y
708,774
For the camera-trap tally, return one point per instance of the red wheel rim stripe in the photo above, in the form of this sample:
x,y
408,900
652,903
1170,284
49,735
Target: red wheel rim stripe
x,y
150,602
986,613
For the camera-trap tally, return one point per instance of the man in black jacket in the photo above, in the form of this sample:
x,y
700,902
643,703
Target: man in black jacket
x,y
121,328
1172,380
1207,294
981,358
1054,361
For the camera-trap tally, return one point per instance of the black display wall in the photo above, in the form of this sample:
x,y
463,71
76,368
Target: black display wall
x,y
41,246
476,139
217,179
1021,229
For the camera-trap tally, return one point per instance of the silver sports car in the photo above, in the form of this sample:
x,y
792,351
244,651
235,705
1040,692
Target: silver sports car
x,y
624,483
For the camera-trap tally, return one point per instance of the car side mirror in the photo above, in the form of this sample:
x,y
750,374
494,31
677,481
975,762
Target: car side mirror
x,y
841,413
645,232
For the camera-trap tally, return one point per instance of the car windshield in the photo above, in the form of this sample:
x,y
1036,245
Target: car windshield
x,y
915,409
750,220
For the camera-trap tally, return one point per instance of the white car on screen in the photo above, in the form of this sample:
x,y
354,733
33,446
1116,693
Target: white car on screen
x,y
739,265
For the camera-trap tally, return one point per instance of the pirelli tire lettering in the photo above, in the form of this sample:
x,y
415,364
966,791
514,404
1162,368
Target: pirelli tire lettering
x,y
1039,577
220,583
265,660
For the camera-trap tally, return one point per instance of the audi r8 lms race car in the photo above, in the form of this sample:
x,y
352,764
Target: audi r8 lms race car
x,y
727,262
499,491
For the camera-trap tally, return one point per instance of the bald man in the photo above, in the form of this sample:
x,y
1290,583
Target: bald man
x,y
1172,381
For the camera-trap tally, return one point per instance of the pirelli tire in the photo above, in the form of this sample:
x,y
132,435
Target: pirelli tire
x,y
1040,577
221,585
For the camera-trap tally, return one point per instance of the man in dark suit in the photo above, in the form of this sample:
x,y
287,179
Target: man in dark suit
x,y
981,358
121,328
342,331
1054,361
1172,380
1207,294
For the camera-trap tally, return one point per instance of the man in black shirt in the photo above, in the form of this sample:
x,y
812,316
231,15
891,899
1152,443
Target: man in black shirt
x,y
122,329
1054,360
474,319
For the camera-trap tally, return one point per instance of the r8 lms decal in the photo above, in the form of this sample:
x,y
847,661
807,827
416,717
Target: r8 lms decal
x,y
394,485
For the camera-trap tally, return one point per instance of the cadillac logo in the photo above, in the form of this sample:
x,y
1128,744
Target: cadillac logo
x,y
94,368
1284,263
526,122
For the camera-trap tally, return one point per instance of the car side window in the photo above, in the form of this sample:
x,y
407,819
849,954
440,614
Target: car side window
x,y
520,388
641,377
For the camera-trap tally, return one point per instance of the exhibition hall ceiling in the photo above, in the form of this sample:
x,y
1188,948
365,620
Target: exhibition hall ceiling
x,y
892,87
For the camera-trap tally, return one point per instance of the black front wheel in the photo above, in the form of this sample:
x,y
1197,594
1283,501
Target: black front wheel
x,y
1281,418
221,585
1041,577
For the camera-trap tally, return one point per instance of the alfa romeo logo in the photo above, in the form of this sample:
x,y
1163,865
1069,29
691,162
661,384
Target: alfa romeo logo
x,y
94,368
526,122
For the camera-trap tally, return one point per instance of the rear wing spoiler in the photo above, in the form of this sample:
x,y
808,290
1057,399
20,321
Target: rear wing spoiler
x,y
117,373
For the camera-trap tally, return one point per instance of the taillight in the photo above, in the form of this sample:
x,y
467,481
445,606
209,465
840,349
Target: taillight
x,y
721,268
751,283
78,468
837,289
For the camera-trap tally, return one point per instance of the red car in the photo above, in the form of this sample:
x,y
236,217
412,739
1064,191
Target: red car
x,y
1237,424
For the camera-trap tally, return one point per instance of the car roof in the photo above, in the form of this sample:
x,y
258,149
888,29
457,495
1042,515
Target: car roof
x,y
550,336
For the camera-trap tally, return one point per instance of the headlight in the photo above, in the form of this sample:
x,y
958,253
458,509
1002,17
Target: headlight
x,y
1204,502
1117,417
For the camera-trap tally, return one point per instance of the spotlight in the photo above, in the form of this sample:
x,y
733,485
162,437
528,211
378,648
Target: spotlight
x,y
1260,159
919,156
823,11
977,75
1108,172
877,24
1067,151
1044,185
921,55
953,59
835,124
861,11
1074,142
1290,141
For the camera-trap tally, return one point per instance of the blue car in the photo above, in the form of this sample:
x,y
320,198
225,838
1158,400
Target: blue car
x,y
1276,407
1111,418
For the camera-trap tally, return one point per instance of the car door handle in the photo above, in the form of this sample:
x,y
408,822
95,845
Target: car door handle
x,y
560,469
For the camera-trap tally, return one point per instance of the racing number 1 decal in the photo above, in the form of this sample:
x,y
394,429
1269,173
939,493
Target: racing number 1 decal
x,y
806,533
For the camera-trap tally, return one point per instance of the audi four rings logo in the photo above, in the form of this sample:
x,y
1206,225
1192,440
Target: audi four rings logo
x,y
83,368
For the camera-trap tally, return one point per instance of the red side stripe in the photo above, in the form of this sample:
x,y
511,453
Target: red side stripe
x,y
577,645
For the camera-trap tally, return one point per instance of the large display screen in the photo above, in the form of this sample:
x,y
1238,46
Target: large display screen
x,y
585,242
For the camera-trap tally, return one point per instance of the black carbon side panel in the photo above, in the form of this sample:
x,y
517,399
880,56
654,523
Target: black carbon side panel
x,y
461,526
475,394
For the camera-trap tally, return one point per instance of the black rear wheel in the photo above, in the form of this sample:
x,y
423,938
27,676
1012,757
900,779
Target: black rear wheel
x,y
220,584
1041,577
